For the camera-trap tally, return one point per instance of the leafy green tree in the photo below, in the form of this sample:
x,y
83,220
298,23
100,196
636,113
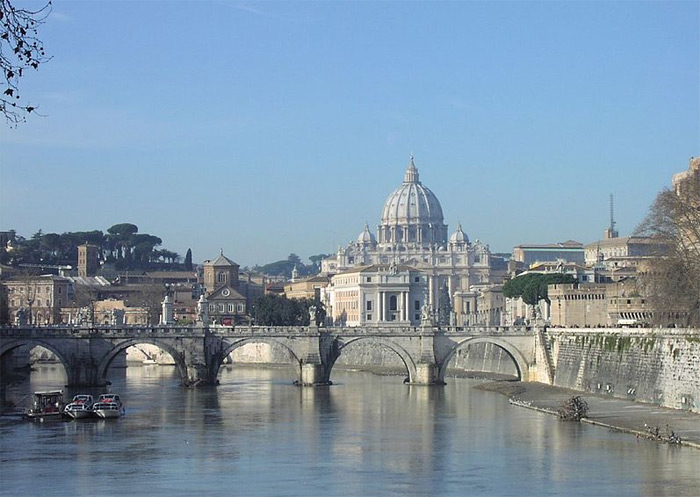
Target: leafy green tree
x,y
275,310
532,287
123,229
316,262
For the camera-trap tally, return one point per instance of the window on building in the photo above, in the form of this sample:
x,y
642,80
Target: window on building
x,y
393,303
212,307
230,308
369,305
369,279
59,290
416,305
417,279
416,317
221,278
240,308
369,317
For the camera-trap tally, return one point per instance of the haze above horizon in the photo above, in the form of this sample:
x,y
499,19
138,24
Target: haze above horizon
x,y
266,128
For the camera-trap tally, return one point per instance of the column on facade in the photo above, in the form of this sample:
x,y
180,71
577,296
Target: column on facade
x,y
406,307
430,290
380,306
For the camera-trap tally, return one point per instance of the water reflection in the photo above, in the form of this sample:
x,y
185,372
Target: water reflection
x,y
257,434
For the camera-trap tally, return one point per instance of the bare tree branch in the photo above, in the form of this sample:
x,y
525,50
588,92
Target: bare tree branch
x,y
672,282
20,50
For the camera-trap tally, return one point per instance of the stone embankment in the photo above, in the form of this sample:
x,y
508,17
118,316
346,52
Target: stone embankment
x,y
648,365
636,418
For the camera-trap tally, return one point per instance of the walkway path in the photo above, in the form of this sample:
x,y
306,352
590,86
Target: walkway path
x,y
619,414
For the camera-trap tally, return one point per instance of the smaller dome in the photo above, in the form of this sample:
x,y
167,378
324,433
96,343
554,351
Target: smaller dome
x,y
366,237
459,236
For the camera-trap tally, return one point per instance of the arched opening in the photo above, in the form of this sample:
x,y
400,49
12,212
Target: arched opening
x,y
258,360
27,367
484,358
372,355
139,363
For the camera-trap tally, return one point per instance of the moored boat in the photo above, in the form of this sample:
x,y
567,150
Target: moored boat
x,y
108,406
80,407
46,406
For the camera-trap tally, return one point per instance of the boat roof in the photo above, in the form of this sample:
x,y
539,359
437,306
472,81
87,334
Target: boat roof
x,y
50,392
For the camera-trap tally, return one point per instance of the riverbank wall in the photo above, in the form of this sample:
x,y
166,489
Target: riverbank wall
x,y
651,365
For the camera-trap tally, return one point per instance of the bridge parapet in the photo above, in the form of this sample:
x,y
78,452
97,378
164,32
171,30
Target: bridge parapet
x,y
272,331
98,331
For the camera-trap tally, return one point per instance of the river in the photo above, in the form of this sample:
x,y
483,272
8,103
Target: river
x,y
258,435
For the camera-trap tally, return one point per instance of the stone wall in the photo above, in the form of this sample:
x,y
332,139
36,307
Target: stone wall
x,y
659,366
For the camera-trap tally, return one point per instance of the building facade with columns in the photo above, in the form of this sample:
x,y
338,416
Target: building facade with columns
x,y
412,232
378,294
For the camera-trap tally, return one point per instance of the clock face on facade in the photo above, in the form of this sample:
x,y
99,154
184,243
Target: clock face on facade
x,y
225,292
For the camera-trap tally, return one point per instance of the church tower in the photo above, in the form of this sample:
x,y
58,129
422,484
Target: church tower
x,y
87,259
222,272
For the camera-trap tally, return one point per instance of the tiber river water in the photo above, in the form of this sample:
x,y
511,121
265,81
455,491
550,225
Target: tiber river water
x,y
367,435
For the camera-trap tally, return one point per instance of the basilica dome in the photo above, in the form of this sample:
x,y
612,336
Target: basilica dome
x,y
412,214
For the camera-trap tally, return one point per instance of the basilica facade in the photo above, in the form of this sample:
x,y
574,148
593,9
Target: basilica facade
x,y
412,232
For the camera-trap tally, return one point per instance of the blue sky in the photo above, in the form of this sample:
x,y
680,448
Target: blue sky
x,y
265,128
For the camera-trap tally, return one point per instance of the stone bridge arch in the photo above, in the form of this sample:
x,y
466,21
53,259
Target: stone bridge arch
x,y
403,354
106,360
228,347
34,342
521,364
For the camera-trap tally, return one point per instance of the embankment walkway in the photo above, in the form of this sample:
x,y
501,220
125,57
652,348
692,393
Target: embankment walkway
x,y
627,416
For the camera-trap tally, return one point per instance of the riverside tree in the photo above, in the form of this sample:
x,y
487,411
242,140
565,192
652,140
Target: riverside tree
x,y
671,283
21,50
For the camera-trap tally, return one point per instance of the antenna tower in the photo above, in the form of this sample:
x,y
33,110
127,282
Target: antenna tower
x,y
611,232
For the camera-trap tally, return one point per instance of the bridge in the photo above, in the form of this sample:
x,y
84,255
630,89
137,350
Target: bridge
x,y
199,351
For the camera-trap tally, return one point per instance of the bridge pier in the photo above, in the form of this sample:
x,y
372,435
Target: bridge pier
x,y
84,372
313,370
426,374
313,374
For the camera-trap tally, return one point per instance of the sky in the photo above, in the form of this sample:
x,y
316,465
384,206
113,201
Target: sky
x,y
269,128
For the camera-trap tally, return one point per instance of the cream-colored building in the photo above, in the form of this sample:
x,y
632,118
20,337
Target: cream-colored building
x,y
380,294
623,251
579,304
106,312
307,288
482,306
37,300
412,232
569,251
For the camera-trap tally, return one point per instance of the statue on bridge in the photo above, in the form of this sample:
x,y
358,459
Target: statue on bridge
x,y
426,315
312,315
203,310
21,317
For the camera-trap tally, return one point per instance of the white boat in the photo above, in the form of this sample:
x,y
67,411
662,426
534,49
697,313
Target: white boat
x,y
108,406
149,361
80,407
